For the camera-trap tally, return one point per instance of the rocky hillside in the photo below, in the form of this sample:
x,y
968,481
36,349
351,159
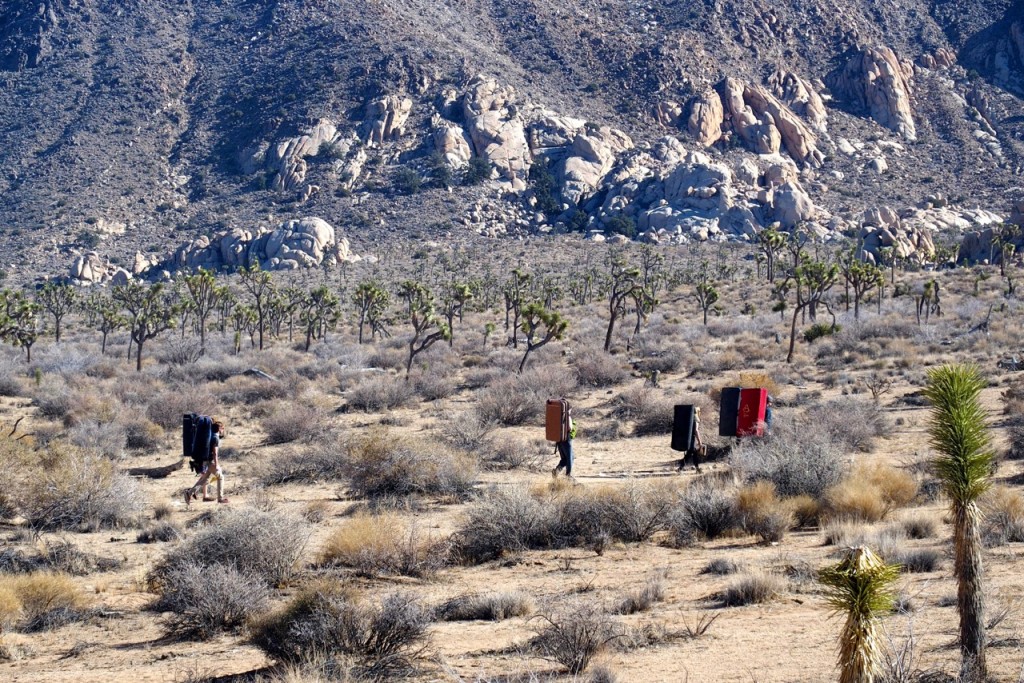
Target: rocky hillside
x,y
141,126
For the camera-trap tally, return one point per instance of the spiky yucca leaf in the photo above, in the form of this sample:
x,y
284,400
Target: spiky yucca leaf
x,y
861,587
959,432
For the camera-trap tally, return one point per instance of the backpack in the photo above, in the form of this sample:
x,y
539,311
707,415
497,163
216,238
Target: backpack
x,y
196,433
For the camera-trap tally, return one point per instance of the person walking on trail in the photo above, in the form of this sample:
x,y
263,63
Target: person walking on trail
x,y
698,450
564,449
768,414
211,470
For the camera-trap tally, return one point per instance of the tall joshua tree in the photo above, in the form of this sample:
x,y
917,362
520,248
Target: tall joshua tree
x,y
960,435
860,587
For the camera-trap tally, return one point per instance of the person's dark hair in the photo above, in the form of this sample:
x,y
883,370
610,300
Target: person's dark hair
x,y
218,427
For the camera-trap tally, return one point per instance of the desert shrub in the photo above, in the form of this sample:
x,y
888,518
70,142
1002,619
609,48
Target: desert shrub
x,y
141,433
260,545
574,635
508,402
915,560
166,408
488,607
1004,516
387,358
310,463
378,393
206,600
39,600
720,566
467,431
381,466
108,438
752,589
702,511
796,461
383,544
643,598
758,379
289,422
548,379
656,418
81,491
435,384
65,557
919,526
761,513
871,492
597,369
631,513
819,330
53,399
511,454
665,360
851,423
160,532
504,521
805,509
1015,438
246,390
326,617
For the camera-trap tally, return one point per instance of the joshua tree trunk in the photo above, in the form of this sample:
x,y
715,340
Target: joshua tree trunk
x,y
970,594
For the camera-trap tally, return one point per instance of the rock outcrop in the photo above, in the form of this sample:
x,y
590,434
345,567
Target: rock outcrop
x,y
876,81
450,141
668,113
91,269
386,118
801,97
761,120
303,243
497,130
706,118
591,156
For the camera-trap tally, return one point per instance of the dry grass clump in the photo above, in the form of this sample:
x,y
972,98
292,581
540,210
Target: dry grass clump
x,y
574,635
594,368
758,379
384,544
39,600
805,509
381,467
381,639
290,421
703,511
761,513
245,390
466,430
435,384
206,600
143,434
797,460
919,525
512,454
720,566
504,521
263,546
487,607
752,589
509,402
378,393
642,599
166,407
871,492
76,490
1004,516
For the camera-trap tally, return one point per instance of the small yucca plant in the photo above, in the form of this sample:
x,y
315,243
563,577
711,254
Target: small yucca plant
x,y
861,587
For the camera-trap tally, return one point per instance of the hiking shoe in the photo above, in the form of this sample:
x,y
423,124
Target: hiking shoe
x,y
554,472
208,499
189,497
221,500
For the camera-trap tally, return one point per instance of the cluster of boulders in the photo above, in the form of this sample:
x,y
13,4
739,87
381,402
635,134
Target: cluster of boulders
x,y
673,194
92,269
878,82
294,244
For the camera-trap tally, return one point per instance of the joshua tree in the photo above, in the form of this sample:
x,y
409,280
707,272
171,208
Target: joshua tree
x,y
861,278
149,313
514,293
260,286
959,434
19,324
811,280
625,281
929,301
535,318
427,327
456,296
488,331
371,300
771,240
58,300
706,294
204,295
861,587
103,314
319,310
